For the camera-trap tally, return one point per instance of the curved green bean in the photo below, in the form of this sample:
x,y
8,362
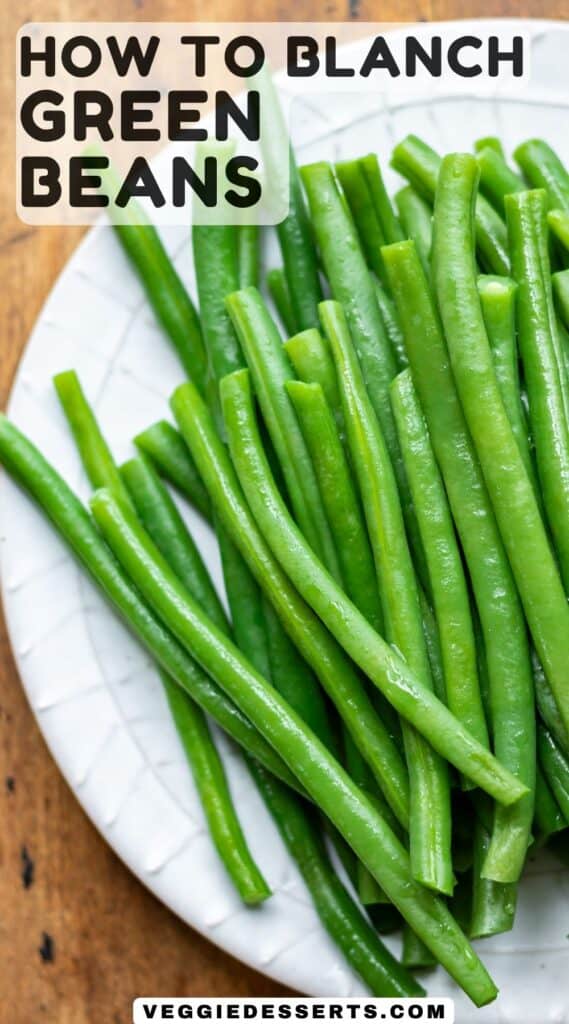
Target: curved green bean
x,y
141,489
329,786
334,670
339,914
279,660
381,664
448,584
28,467
503,624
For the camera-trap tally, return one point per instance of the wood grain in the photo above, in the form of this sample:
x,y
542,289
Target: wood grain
x,y
111,940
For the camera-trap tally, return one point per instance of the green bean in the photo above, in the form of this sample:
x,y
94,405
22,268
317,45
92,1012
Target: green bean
x,y
353,287
271,368
429,819
339,497
416,217
211,783
162,443
338,912
493,903
421,165
490,142
544,370
248,239
497,180
448,584
334,670
139,486
168,297
299,256
390,226
498,301
313,363
548,817
51,493
294,232
543,169
391,325
355,188
217,271
461,903
503,624
509,487
462,824
278,290
380,663
162,520
547,706
216,252
272,654
294,680
327,783
555,768
558,221
560,282
369,892
95,455
342,507
432,641
415,954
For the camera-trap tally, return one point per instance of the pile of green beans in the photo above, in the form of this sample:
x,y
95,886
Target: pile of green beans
x,y
389,487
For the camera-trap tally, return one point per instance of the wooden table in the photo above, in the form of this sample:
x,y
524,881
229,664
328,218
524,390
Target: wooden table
x,y
79,936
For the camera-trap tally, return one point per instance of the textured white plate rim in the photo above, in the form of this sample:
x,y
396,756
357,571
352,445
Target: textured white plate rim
x,y
229,943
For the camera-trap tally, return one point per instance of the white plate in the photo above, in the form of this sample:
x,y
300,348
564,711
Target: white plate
x,y
96,697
